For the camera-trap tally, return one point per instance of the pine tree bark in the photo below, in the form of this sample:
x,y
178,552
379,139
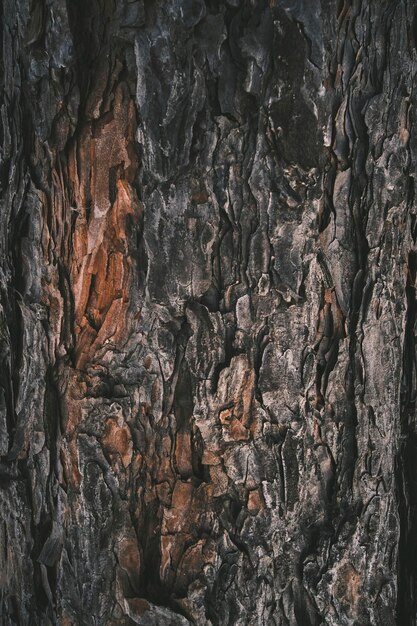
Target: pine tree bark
x,y
207,313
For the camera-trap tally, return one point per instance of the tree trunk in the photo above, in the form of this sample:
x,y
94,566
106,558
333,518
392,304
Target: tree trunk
x,y
208,310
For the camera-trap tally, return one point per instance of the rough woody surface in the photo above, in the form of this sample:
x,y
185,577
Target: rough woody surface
x,y
207,285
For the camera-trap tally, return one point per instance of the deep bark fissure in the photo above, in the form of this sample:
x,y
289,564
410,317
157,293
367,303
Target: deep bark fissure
x,y
407,459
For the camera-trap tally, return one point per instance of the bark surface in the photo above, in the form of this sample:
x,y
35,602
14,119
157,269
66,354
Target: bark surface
x,y
207,313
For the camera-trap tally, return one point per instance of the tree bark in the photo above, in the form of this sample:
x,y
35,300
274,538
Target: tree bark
x,y
207,313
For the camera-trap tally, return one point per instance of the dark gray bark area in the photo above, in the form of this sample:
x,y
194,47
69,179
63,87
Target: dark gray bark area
x,y
207,313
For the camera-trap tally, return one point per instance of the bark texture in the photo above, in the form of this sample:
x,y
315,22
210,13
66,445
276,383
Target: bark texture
x,y
207,313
